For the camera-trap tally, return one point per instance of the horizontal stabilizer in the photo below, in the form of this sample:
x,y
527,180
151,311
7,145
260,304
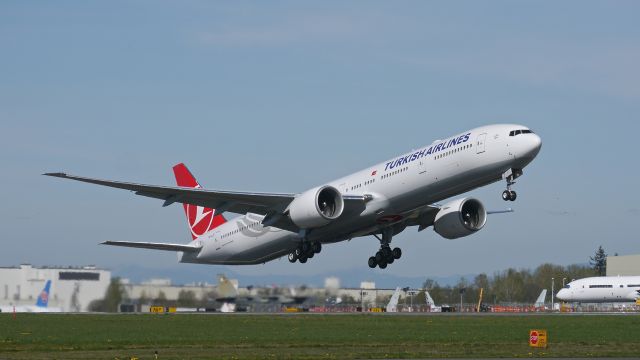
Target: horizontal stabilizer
x,y
155,246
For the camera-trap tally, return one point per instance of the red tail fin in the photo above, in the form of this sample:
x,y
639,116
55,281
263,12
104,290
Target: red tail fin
x,y
201,219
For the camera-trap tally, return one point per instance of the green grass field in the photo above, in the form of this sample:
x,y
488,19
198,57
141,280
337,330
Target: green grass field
x,y
200,336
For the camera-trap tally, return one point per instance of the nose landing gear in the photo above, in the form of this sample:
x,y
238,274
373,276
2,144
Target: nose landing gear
x,y
510,176
509,195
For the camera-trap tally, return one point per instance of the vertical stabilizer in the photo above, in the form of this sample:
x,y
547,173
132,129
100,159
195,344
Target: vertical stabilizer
x,y
430,303
392,306
540,300
43,298
428,299
201,219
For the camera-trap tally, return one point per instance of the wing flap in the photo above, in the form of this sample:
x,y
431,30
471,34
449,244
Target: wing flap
x,y
154,246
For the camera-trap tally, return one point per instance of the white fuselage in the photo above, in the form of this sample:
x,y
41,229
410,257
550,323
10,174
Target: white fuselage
x,y
398,187
602,289
28,309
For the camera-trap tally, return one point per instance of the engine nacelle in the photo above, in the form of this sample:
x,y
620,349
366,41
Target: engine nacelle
x,y
316,207
460,218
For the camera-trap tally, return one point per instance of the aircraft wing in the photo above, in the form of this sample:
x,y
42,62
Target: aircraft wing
x,y
222,201
155,246
273,205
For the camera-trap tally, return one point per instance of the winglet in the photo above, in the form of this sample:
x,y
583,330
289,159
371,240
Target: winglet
x,y
56,174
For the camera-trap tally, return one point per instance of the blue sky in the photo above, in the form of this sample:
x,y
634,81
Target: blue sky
x,y
282,96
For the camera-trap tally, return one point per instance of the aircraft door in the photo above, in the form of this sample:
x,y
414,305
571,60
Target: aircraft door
x,y
422,166
344,186
480,143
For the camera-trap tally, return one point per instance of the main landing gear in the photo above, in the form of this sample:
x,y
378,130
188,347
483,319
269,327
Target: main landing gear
x,y
510,176
385,255
304,251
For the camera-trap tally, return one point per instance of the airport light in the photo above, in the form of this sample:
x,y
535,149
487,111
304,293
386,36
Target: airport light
x,y
552,307
405,289
412,293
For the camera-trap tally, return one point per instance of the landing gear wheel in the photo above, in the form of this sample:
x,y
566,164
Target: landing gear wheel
x,y
305,247
310,254
298,252
388,255
292,257
302,259
509,195
317,247
385,256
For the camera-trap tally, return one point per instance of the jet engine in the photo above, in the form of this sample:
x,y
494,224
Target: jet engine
x,y
460,218
316,207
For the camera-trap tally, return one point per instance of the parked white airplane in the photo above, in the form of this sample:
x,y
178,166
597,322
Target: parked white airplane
x,y
602,289
42,304
381,200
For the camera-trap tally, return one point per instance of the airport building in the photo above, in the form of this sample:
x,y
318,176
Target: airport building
x,y
628,265
163,289
72,288
367,294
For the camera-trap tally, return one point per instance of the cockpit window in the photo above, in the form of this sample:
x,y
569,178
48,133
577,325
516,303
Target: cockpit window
x,y
518,132
567,286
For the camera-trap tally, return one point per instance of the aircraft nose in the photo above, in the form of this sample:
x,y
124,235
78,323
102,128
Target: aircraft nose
x,y
563,294
532,146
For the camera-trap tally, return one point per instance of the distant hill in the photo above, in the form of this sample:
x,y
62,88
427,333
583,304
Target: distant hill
x,y
185,274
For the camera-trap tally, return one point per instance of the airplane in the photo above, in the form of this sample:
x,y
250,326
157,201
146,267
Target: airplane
x,y
431,304
392,306
540,301
230,300
601,289
227,294
42,304
380,201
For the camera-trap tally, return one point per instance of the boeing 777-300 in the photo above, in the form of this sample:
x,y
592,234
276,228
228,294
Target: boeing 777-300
x,y
381,201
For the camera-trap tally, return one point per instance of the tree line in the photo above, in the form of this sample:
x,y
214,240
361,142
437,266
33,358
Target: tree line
x,y
508,286
516,286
